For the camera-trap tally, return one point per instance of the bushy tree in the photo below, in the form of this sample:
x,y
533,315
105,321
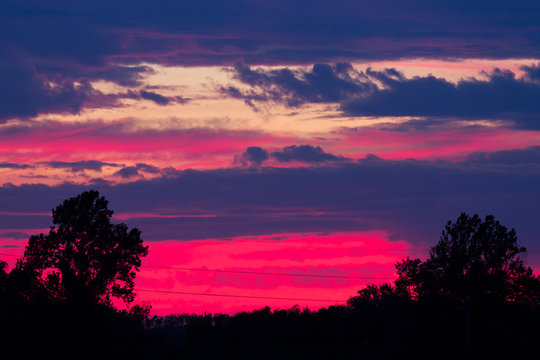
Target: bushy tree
x,y
473,260
84,257
376,296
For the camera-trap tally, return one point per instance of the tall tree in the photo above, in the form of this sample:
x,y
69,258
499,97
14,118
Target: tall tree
x,y
85,257
473,259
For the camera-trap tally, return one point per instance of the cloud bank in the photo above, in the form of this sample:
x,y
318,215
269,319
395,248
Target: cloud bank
x,y
409,199
500,95
308,154
50,53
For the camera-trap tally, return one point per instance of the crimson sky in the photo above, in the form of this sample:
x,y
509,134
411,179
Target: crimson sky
x,y
323,138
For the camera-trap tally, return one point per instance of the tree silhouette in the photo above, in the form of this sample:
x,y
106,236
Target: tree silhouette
x,y
376,296
85,258
473,296
473,260
3,277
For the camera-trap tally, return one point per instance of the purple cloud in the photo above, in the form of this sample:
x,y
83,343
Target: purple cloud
x,y
147,168
322,84
254,155
133,171
265,32
68,44
79,165
155,97
517,157
127,172
371,194
6,165
23,93
305,153
500,96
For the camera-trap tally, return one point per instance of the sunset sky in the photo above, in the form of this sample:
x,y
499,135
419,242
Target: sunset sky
x,y
271,152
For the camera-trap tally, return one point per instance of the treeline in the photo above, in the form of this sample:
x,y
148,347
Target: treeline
x,y
389,329
473,297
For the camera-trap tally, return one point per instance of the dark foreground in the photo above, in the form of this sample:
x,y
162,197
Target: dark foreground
x,y
381,330
473,297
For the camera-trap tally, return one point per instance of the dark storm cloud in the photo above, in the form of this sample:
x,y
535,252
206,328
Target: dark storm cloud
x,y
530,155
152,96
127,172
254,155
155,97
500,95
532,73
409,198
147,168
306,154
322,84
129,76
426,125
133,171
23,93
6,165
79,165
123,75
70,43
215,32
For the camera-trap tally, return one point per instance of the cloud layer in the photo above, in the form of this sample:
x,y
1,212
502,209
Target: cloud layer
x,y
500,95
308,154
269,32
409,199
51,53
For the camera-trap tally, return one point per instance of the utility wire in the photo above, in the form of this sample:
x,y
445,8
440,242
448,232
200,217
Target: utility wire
x,y
238,296
269,273
258,272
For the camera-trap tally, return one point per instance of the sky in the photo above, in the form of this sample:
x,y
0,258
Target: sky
x,y
271,152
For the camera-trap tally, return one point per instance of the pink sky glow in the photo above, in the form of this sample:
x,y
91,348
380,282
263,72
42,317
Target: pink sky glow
x,y
192,123
307,267
365,257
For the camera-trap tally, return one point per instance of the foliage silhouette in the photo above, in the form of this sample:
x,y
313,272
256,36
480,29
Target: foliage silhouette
x,y
473,297
474,286
474,260
85,258
57,301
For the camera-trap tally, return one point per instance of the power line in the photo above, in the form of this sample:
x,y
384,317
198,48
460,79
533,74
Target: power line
x,y
238,296
260,272
269,273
